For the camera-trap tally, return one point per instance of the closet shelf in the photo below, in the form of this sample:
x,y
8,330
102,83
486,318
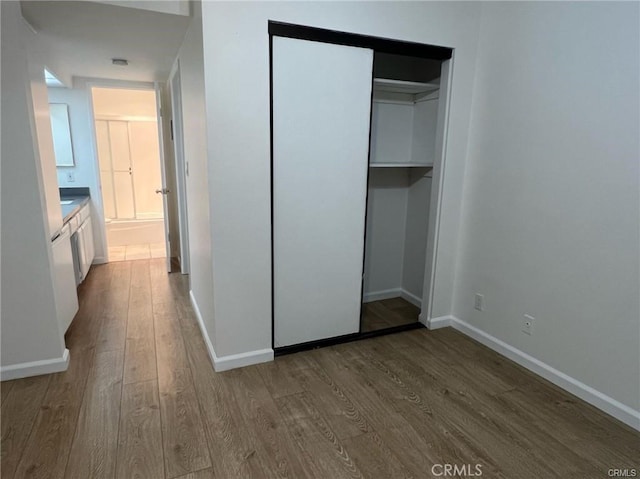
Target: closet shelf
x,y
400,165
402,86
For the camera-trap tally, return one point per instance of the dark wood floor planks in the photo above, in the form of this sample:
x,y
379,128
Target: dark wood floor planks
x,y
24,399
140,349
140,432
388,313
141,400
94,449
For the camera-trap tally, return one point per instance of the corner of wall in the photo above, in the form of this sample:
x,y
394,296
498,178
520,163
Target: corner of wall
x,y
232,361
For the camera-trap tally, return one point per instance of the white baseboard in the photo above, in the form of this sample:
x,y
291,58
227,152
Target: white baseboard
x,y
100,260
603,402
380,295
436,323
232,361
412,298
203,330
35,368
392,293
241,360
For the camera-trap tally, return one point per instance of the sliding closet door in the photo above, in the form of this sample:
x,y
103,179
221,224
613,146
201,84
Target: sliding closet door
x,y
321,109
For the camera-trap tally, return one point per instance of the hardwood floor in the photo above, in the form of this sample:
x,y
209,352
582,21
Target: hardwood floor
x,y
141,400
388,313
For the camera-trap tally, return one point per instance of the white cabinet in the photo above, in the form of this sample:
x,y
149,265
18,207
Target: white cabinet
x,y
66,297
82,242
86,251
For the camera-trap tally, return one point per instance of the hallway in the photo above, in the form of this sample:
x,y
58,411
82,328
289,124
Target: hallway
x,y
141,400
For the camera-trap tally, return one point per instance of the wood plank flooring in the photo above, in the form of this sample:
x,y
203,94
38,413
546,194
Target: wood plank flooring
x,y
387,313
141,400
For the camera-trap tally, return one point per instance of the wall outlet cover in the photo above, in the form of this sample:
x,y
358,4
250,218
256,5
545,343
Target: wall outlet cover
x,y
478,302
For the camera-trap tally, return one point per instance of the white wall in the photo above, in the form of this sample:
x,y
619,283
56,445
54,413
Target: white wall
x,y
175,7
397,223
190,58
415,245
43,134
109,102
387,197
551,204
425,122
236,47
391,132
30,329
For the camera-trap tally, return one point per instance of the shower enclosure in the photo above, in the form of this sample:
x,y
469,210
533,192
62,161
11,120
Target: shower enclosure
x,y
129,158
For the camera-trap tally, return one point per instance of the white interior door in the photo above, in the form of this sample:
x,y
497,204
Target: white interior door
x,y
181,166
321,110
146,165
163,176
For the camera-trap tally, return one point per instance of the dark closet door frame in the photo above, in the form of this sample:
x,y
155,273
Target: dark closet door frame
x,y
377,44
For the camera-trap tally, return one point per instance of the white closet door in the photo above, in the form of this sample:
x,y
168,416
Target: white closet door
x,y
321,110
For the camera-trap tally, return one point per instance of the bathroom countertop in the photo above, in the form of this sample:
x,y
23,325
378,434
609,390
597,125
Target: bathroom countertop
x,y
68,211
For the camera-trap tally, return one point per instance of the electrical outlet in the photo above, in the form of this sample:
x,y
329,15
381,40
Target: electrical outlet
x,y
71,177
478,302
527,324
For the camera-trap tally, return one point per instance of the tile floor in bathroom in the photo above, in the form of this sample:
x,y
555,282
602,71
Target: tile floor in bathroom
x,y
137,251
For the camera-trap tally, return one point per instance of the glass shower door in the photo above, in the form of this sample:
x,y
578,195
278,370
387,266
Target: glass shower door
x,y
129,158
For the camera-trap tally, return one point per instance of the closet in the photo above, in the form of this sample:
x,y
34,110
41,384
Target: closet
x,y
402,151
354,136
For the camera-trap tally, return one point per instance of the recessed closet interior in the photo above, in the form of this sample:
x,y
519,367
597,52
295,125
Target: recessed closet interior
x,y
403,133
352,198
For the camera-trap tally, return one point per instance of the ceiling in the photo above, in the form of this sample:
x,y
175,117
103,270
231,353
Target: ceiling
x,y
82,37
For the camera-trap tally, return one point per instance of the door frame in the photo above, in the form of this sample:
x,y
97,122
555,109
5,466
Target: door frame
x,y
437,187
174,88
382,45
99,204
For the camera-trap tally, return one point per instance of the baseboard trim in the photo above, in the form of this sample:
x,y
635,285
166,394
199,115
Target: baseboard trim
x,y
100,260
392,293
437,323
620,411
35,368
411,298
232,361
203,329
380,295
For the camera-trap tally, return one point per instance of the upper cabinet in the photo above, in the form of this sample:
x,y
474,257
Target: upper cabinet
x,y
61,134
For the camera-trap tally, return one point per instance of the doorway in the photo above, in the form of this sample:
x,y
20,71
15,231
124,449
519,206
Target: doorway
x,y
128,146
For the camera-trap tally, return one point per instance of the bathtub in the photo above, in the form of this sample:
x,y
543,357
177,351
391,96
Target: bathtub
x,y
126,232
